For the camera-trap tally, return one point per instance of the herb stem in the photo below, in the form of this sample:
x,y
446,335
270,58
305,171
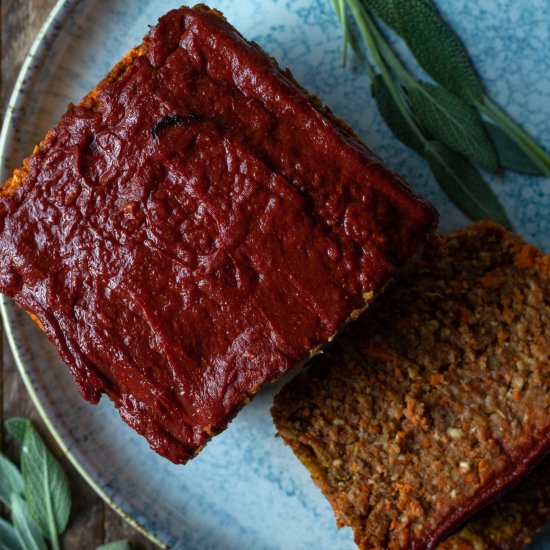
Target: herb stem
x,y
389,55
340,8
365,25
531,149
349,39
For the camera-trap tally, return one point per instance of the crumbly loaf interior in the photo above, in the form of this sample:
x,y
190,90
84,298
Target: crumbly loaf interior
x,y
437,398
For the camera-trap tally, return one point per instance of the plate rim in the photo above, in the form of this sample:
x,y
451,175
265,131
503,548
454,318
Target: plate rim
x,y
35,55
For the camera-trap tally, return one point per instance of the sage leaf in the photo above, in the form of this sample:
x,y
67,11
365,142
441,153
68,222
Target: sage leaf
x,y
17,426
117,545
392,116
437,48
10,480
8,537
510,154
455,123
46,486
464,186
28,534
385,10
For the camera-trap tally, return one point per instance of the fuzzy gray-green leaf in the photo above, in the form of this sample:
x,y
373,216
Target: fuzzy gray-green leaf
x,y
510,155
437,48
27,532
385,10
17,426
392,116
10,480
46,486
8,537
455,123
462,183
116,545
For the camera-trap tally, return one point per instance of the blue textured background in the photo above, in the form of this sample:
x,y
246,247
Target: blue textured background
x,y
246,490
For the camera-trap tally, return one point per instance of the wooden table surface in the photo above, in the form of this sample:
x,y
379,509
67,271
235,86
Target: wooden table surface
x,y
92,521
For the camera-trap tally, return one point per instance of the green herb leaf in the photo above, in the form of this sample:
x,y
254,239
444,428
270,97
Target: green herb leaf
x,y
538,156
46,486
27,532
437,48
8,537
464,186
385,10
10,479
17,426
510,154
452,121
392,115
117,545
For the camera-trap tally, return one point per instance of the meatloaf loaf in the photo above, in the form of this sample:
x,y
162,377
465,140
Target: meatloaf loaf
x,y
197,225
438,399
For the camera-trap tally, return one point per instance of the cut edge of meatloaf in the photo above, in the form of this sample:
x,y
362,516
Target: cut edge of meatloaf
x,y
92,101
512,521
422,324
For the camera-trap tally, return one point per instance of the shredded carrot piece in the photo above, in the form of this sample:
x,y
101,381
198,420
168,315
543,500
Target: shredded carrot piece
x,y
489,280
525,258
376,352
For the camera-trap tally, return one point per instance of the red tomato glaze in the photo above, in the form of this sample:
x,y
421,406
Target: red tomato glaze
x,y
198,231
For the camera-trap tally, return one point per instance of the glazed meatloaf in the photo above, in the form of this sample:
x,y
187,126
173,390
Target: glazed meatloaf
x,y
197,225
438,399
511,522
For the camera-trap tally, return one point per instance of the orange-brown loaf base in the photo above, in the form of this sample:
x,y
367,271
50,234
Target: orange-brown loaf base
x,y
438,399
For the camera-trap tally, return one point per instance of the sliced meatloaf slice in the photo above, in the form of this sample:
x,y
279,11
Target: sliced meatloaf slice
x,y
436,401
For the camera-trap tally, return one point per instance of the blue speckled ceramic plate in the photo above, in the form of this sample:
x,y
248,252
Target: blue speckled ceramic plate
x,y
246,489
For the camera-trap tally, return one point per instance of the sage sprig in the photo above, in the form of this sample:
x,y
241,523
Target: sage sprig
x,y
38,495
443,56
46,488
441,121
